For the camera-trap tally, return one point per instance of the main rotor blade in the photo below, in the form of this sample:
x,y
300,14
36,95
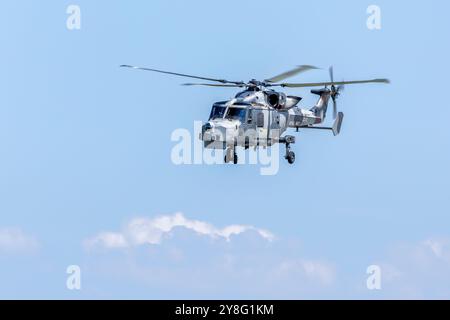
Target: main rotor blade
x,y
214,85
290,73
321,84
182,75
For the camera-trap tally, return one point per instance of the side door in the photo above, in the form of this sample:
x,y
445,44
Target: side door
x,y
277,121
262,117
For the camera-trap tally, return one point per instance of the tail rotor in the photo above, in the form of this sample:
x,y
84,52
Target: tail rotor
x,y
335,92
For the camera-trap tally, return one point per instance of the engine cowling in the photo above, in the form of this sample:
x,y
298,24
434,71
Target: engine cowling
x,y
292,101
276,100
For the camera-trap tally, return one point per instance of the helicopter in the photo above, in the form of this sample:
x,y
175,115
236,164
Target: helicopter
x,y
259,115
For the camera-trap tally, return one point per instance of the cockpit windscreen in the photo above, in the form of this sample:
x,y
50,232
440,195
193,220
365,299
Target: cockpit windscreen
x,y
217,112
236,114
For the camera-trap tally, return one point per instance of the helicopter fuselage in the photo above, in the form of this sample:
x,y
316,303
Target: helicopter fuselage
x,y
254,118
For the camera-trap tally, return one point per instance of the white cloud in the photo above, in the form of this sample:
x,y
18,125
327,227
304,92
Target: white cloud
x,y
182,264
141,231
108,240
440,247
316,270
173,257
418,270
14,240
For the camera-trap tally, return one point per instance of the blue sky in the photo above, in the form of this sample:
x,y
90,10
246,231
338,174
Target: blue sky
x,y
85,148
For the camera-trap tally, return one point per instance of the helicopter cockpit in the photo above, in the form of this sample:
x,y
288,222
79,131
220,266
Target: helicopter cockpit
x,y
218,111
235,112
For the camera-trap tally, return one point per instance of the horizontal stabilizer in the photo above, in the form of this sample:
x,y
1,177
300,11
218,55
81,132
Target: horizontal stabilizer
x,y
336,126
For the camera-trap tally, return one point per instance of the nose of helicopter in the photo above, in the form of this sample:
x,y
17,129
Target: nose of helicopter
x,y
208,132
220,130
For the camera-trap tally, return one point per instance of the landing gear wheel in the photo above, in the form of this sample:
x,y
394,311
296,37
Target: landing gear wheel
x,y
235,160
291,157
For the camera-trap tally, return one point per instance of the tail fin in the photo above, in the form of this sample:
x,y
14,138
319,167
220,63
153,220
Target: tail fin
x,y
338,124
320,109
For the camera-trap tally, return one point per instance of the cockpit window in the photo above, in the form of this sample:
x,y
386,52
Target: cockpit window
x,y
217,112
236,114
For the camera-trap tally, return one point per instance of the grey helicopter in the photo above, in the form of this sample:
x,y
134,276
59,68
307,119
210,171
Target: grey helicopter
x,y
258,116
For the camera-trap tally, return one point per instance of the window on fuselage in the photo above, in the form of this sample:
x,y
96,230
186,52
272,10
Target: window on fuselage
x,y
260,120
